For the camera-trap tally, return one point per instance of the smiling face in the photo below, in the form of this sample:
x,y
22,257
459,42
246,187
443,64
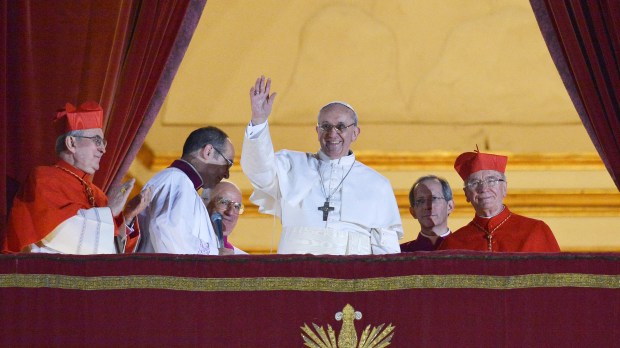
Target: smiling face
x,y
225,192
431,209
487,199
336,144
84,152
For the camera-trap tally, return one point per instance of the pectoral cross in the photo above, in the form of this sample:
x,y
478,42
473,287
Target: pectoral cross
x,y
326,209
490,241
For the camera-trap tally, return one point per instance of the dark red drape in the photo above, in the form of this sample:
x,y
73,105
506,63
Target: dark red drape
x,y
160,35
3,113
54,52
583,38
120,53
441,299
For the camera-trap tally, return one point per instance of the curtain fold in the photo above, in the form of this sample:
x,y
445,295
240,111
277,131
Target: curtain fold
x,y
121,53
4,196
583,38
56,52
159,40
188,26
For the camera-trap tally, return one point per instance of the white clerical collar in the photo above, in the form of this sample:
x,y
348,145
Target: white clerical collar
x,y
434,237
344,160
494,215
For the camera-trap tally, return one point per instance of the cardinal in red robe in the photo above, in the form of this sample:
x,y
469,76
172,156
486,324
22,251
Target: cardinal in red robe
x,y
59,210
495,227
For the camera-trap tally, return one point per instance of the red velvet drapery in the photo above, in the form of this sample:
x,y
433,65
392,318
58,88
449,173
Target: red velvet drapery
x,y
160,35
3,113
441,299
121,53
584,40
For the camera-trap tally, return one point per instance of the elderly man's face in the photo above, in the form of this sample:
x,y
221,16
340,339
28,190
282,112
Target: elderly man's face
x,y
486,190
87,153
335,143
224,199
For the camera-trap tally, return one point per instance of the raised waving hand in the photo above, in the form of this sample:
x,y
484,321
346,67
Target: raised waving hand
x,y
261,100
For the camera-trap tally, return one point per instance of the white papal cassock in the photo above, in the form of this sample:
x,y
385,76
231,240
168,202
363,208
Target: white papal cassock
x,y
293,185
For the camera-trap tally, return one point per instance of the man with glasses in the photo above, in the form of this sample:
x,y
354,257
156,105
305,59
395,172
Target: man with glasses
x,y
494,227
430,202
177,221
225,199
328,202
59,210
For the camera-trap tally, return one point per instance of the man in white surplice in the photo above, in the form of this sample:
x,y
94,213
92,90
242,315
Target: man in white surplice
x,y
176,220
328,202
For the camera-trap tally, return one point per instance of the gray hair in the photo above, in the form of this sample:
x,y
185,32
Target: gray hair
x,y
445,187
60,141
330,105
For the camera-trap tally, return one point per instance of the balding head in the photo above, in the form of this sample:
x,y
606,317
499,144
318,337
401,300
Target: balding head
x,y
226,199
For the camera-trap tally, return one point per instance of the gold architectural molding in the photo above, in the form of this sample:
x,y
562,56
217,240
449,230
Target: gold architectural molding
x,y
445,160
394,161
552,202
146,156
557,203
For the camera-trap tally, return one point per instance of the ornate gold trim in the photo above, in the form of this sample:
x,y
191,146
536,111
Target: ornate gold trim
x,y
527,202
540,202
393,161
445,160
451,281
347,338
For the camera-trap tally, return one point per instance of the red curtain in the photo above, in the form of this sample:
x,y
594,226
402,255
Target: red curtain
x,y
160,35
3,113
583,38
122,53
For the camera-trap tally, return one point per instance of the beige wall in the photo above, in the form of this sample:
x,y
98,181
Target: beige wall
x,y
429,79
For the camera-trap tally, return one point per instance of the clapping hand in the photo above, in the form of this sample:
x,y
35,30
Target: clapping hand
x,y
261,101
118,196
137,204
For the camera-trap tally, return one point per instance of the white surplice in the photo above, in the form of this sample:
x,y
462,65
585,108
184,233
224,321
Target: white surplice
x,y
90,231
293,185
176,221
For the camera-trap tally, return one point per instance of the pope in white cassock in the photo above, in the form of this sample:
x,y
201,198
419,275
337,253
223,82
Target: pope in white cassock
x,y
328,202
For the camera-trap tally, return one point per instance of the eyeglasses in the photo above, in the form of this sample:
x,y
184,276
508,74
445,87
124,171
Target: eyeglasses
x,y
490,182
340,127
230,162
225,204
422,201
99,141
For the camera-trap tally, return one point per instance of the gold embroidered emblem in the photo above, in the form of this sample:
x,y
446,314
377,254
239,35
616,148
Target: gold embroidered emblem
x,y
371,338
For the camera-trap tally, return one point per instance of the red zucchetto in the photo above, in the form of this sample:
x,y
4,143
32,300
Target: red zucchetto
x,y
471,162
88,115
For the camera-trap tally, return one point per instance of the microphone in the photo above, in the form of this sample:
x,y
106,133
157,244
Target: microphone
x,y
217,221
